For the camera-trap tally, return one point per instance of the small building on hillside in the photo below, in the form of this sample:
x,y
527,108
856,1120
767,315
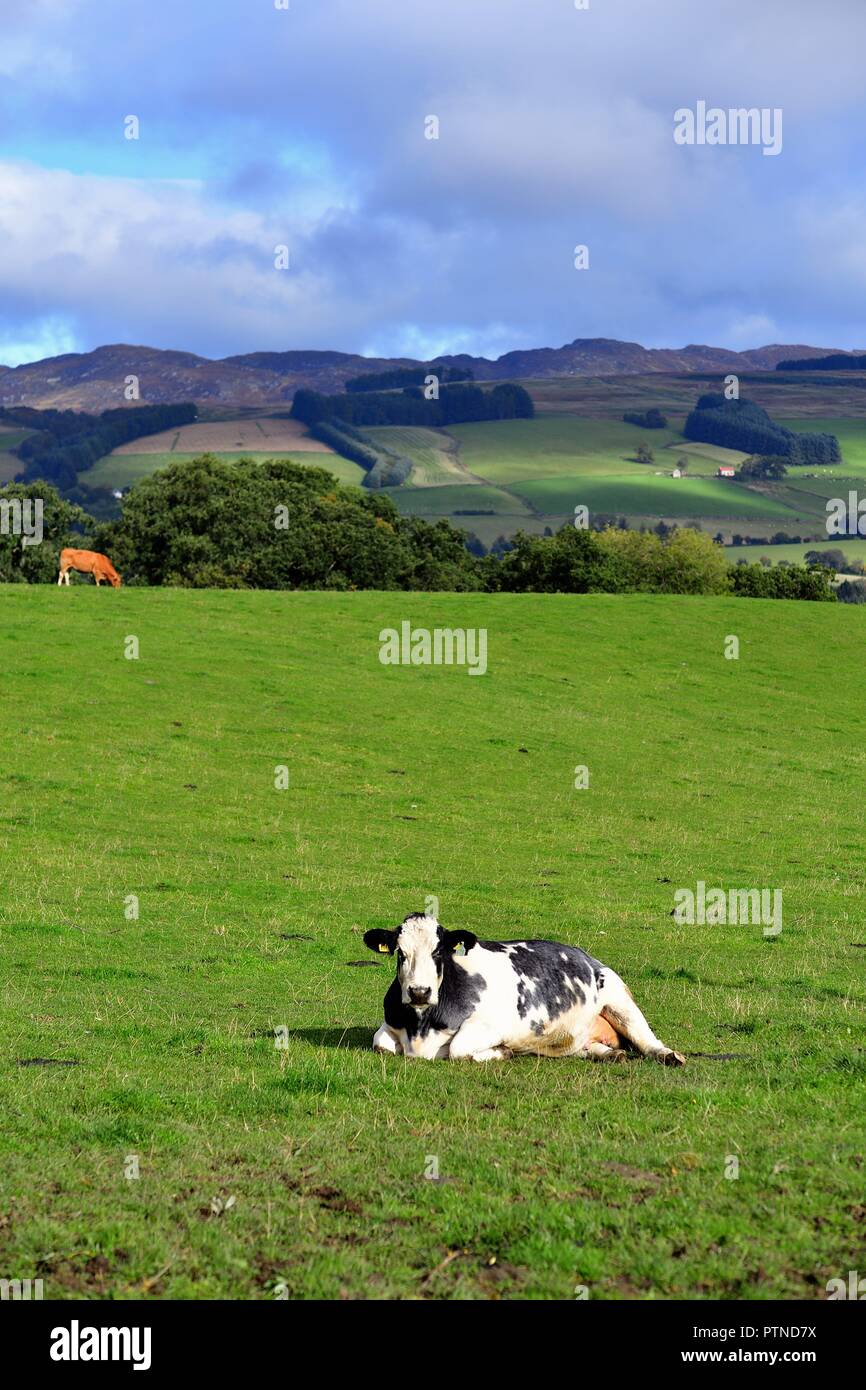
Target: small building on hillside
x,y
725,471
676,473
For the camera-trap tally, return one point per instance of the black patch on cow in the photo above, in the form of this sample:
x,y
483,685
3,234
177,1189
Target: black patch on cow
x,y
459,993
546,977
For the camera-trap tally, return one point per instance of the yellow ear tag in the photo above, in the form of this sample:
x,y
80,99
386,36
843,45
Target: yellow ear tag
x,y
460,949
383,948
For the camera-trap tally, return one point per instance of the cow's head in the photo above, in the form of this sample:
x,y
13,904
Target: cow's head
x,y
423,950
114,579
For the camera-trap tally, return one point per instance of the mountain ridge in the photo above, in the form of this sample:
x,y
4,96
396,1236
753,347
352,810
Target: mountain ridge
x,y
96,380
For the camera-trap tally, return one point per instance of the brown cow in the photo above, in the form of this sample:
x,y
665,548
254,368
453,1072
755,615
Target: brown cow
x,y
87,562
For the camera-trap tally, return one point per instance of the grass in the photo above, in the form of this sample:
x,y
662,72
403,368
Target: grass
x,y
851,435
155,778
434,453
853,548
646,494
513,451
448,501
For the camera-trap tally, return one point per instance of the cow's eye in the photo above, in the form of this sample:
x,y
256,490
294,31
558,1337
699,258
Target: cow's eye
x,y
400,957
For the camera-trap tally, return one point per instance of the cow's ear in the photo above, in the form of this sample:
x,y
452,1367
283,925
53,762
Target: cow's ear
x,y
379,940
466,939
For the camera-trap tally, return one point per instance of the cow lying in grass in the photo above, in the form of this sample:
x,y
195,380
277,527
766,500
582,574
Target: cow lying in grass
x,y
504,997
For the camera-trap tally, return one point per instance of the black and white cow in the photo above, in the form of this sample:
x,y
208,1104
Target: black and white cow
x,y
502,997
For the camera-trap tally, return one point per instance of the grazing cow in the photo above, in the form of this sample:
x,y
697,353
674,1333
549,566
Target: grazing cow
x,y
87,562
504,997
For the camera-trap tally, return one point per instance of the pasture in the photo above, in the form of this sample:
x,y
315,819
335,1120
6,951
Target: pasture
x,y
497,477
543,468
852,547
164,909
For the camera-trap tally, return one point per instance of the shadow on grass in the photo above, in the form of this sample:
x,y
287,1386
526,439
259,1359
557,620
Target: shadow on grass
x,y
358,1039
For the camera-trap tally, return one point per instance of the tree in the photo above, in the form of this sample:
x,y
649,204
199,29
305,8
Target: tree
x,y
796,582
209,524
742,424
763,466
651,419
645,454
685,562
36,564
832,558
572,562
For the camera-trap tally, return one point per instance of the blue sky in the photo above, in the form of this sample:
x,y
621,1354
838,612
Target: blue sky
x,y
261,127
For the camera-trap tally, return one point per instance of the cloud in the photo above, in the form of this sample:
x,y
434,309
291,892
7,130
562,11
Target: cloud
x,y
307,127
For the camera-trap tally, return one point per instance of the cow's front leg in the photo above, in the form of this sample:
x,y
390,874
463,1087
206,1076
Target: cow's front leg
x,y
385,1039
475,1041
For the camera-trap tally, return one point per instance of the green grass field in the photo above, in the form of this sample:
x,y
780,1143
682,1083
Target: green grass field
x,y
512,451
461,497
550,464
151,1040
853,548
532,473
644,494
434,453
851,435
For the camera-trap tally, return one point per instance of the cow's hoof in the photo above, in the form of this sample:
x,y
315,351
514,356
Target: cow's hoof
x,y
672,1059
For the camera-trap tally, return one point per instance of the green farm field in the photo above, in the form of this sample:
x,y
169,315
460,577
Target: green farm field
x,y
544,467
649,496
851,435
530,474
853,548
164,909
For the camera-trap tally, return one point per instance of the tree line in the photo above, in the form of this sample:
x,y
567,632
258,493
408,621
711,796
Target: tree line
x,y
68,442
205,523
743,425
651,419
833,362
458,404
399,377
